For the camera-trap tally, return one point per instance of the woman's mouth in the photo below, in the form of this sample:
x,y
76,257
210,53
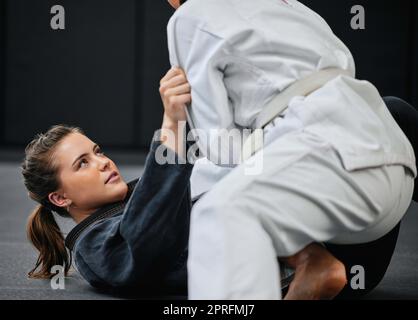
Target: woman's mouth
x,y
114,176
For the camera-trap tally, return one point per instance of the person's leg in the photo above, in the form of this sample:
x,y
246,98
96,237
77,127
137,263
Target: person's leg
x,y
375,256
231,256
318,274
231,253
406,117
303,195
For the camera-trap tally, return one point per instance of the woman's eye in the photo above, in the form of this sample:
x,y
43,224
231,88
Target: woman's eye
x,y
82,163
99,151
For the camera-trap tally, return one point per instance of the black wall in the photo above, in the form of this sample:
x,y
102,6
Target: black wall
x,y
102,73
382,51
2,68
153,16
82,75
414,53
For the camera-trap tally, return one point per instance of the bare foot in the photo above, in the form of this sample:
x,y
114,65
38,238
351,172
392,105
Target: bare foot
x,y
318,274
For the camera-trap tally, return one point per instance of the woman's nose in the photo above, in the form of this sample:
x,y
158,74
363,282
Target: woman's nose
x,y
104,163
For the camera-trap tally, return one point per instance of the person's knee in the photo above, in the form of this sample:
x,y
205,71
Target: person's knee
x,y
405,115
393,101
407,118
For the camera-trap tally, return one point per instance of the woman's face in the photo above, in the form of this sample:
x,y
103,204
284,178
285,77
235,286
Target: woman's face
x,y
88,178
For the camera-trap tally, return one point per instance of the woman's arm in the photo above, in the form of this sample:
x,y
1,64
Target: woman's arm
x,y
175,94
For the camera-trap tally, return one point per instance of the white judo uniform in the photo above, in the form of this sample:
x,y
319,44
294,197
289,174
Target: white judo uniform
x,y
336,166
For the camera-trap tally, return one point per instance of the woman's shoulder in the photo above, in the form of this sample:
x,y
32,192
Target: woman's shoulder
x,y
101,220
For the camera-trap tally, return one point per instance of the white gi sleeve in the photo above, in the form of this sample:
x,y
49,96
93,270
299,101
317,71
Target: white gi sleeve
x,y
203,56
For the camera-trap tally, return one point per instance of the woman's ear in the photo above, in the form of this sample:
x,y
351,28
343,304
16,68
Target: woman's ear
x,y
58,199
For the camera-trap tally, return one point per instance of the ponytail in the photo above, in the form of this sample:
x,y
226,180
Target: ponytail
x,y
44,233
40,176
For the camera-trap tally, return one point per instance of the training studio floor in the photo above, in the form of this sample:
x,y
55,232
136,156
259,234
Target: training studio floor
x,y
17,255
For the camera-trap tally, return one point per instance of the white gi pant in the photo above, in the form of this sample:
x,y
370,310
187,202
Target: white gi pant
x,y
303,195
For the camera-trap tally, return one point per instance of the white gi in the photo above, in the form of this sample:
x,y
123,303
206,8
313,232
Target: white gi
x,y
336,166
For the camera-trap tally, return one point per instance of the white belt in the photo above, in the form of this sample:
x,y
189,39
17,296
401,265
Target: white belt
x,y
280,103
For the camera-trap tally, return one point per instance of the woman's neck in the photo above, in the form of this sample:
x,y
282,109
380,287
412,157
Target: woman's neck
x,y
79,214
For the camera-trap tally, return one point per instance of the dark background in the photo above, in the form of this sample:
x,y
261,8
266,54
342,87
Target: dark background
x,y
102,72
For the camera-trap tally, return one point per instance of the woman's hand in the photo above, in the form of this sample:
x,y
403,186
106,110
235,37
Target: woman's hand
x,y
175,94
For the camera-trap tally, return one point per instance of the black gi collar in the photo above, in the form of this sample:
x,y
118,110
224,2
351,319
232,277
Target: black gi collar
x,y
102,213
